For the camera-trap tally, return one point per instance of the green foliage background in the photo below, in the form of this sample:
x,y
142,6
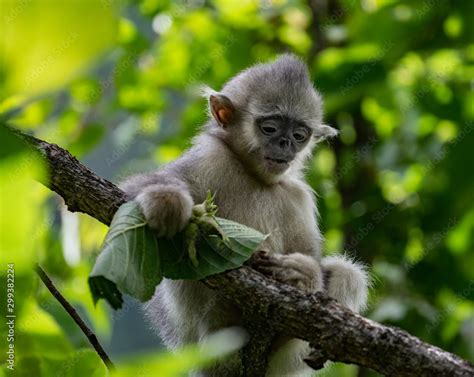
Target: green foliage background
x,y
117,84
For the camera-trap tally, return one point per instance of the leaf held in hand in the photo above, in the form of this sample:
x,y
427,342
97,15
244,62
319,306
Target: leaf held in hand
x,y
133,260
218,249
129,261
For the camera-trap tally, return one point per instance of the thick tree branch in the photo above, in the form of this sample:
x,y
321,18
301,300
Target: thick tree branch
x,y
337,333
81,189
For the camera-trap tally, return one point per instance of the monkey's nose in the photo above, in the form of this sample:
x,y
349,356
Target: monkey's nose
x,y
285,143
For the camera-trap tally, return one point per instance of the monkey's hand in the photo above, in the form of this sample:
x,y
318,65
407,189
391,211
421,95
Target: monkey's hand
x,y
167,208
298,270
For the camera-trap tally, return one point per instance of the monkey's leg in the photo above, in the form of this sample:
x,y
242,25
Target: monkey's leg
x,y
287,359
303,272
348,282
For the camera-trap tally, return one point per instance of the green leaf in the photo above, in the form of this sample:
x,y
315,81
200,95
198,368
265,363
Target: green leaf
x,y
129,261
133,260
215,254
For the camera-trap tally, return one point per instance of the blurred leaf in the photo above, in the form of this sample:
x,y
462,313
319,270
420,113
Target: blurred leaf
x,y
44,45
32,114
391,309
86,91
167,153
20,204
84,362
89,136
183,360
461,237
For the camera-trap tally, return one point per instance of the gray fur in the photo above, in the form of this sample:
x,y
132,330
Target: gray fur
x,y
229,162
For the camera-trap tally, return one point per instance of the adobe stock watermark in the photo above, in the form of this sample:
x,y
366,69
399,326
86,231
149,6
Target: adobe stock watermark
x,y
365,69
51,58
427,167
16,11
426,7
364,231
432,80
447,311
337,16
357,157
432,242
217,53
10,316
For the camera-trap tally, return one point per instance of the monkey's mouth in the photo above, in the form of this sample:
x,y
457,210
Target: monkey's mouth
x,y
276,160
276,165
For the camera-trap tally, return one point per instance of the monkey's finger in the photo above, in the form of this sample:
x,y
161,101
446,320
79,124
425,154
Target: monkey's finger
x,y
289,274
288,277
263,269
262,254
267,262
269,271
305,267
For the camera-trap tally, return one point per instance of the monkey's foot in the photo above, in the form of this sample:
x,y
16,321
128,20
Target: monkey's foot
x,y
298,270
348,281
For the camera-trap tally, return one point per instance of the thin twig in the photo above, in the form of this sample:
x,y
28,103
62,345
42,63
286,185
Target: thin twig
x,y
75,316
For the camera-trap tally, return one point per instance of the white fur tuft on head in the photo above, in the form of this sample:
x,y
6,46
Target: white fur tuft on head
x,y
207,91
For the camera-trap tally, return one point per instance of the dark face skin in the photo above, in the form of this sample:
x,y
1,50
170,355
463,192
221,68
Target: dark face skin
x,y
282,138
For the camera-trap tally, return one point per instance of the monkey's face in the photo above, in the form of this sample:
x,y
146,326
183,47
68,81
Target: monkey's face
x,y
281,139
271,117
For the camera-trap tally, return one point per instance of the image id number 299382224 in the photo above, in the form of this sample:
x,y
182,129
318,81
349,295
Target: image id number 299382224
x,y
10,316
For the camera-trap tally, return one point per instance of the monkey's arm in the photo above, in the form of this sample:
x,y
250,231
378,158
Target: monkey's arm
x,y
165,200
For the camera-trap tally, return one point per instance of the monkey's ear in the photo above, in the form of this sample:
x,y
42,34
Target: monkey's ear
x,y
324,132
222,109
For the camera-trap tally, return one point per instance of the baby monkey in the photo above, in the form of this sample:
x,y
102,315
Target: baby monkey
x,y
265,123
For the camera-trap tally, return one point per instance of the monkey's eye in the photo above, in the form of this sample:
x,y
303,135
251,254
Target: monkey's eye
x,y
301,135
268,128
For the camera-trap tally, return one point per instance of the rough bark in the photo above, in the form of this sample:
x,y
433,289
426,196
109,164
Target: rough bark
x,y
256,352
336,333
81,189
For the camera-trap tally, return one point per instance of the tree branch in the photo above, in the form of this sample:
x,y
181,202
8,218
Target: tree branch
x,y
81,189
257,350
337,333
76,317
